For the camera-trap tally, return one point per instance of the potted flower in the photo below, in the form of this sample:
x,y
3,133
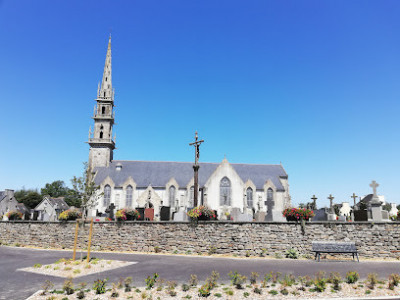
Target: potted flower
x,y
298,214
130,214
201,213
120,215
14,215
70,215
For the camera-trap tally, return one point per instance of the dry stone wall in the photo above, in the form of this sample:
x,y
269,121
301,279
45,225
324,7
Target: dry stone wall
x,y
373,240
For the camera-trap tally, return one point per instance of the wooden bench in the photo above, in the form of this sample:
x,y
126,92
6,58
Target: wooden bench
x,y
334,247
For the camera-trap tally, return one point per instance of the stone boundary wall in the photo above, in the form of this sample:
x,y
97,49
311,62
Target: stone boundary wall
x,y
372,239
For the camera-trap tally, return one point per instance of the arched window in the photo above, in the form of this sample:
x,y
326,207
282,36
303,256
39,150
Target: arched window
x,y
191,198
249,195
270,196
172,195
225,192
107,195
128,200
103,110
101,134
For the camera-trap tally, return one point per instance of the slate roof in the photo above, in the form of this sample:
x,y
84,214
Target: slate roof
x,y
157,174
61,204
2,195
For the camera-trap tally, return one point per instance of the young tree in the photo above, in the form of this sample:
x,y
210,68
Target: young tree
x,y
86,190
31,198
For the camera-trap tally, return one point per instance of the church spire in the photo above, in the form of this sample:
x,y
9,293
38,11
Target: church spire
x,y
106,90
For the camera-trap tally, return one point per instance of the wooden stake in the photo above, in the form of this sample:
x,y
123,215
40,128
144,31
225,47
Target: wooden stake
x,y
90,241
76,239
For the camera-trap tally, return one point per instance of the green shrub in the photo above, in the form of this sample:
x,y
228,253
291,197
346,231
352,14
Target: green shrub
x,y
394,280
275,277
218,295
100,286
127,284
248,253
212,250
372,280
273,292
367,292
352,277
229,292
257,290
246,294
237,279
267,278
288,280
253,277
114,292
185,287
320,282
80,294
68,287
48,285
151,281
204,290
284,292
193,281
37,266
213,279
292,253
335,279
157,249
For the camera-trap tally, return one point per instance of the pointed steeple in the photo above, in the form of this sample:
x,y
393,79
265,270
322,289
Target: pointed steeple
x,y
106,90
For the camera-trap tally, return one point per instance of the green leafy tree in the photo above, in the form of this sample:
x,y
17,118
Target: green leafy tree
x,y
31,198
55,189
86,190
387,207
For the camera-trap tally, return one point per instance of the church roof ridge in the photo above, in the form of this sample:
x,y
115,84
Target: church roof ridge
x,y
189,162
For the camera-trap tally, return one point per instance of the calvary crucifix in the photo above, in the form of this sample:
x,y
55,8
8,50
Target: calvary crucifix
x,y
196,167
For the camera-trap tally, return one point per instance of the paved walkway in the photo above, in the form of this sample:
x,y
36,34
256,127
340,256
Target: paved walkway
x,y
20,285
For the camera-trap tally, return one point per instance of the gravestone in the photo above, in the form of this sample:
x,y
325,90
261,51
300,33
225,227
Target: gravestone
x,y
180,215
260,216
149,214
376,205
361,215
224,212
385,215
393,209
165,212
320,215
141,213
342,218
238,216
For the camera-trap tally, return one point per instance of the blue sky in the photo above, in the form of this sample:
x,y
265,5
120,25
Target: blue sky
x,y
312,84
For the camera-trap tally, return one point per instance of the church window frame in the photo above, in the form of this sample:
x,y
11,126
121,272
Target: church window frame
x,y
103,110
129,196
249,196
191,196
270,196
225,192
172,195
107,196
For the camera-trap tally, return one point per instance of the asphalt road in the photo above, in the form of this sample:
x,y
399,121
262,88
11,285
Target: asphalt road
x,y
16,285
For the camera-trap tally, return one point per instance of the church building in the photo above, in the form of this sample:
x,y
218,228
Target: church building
x,y
223,186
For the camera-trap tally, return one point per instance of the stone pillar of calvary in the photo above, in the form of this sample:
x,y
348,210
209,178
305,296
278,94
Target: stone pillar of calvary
x,y
196,167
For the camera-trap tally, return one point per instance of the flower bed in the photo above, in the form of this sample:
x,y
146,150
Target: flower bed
x,y
202,213
127,214
70,215
295,214
14,215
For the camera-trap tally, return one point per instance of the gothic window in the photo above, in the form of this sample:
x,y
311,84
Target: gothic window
x,y
107,195
191,198
249,196
128,201
172,195
225,192
103,110
270,196
101,134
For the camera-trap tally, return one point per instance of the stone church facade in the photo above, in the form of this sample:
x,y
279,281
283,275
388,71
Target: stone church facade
x,y
222,186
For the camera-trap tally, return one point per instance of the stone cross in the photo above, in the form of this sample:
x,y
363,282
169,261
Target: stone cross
x,y
374,185
354,196
331,202
110,211
314,199
196,167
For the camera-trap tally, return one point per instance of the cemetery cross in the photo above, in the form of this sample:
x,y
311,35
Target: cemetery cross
x,y
196,167
354,196
331,203
314,199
